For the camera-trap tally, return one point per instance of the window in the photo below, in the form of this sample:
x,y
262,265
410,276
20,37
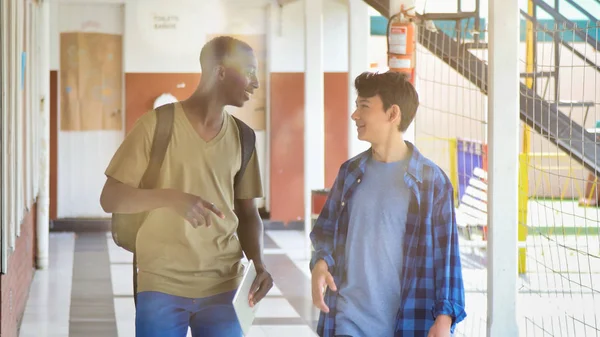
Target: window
x,y
18,128
7,48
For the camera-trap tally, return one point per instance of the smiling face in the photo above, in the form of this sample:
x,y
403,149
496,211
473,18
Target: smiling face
x,y
229,70
373,122
239,78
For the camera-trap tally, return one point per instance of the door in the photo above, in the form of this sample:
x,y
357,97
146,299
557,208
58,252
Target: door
x,y
90,121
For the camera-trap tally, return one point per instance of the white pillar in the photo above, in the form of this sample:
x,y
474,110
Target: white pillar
x,y
503,131
43,201
314,102
359,30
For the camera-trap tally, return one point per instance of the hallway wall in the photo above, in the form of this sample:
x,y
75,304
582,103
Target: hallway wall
x,y
160,60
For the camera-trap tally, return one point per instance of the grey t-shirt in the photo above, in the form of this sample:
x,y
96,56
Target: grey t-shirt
x,y
369,298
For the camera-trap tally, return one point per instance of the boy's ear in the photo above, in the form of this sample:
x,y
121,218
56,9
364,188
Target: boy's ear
x,y
395,114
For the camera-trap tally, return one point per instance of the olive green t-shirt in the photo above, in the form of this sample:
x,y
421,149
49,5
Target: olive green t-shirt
x,y
172,256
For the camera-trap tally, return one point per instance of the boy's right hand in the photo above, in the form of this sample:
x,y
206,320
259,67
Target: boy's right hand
x,y
194,209
320,278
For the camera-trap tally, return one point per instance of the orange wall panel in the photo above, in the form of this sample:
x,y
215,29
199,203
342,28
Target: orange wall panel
x,y
287,139
142,89
287,146
336,124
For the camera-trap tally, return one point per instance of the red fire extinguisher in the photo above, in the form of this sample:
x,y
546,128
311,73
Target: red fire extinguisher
x,y
401,43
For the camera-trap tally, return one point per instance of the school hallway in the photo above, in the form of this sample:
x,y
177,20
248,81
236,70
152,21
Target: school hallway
x,y
76,76
87,290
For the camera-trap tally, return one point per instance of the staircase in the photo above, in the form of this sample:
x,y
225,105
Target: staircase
x,y
543,116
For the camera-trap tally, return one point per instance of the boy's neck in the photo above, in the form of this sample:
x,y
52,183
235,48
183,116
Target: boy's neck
x,y
204,107
392,150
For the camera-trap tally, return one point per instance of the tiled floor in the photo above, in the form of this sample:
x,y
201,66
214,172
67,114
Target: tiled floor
x,y
54,308
80,261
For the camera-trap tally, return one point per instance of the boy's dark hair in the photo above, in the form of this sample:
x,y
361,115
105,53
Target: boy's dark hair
x,y
393,88
214,51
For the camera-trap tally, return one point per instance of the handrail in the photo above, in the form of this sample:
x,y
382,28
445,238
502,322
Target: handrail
x,y
583,10
568,23
554,35
541,115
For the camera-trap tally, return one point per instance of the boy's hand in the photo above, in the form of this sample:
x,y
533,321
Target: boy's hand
x,y
320,278
260,287
194,209
441,327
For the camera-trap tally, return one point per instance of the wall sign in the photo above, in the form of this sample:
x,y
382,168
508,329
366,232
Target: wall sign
x,y
165,21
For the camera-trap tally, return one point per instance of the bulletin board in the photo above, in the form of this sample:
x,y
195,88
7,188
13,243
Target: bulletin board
x,y
254,112
91,75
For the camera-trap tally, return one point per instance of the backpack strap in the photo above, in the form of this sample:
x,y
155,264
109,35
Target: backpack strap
x,y
248,143
162,137
160,142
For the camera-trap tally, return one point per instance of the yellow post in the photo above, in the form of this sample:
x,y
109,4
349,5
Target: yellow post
x,y
524,158
523,200
453,148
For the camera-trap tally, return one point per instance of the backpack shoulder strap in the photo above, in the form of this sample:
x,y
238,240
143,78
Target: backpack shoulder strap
x,y
160,142
248,142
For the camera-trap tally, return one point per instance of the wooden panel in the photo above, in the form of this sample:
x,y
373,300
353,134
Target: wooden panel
x,y
142,89
336,124
287,146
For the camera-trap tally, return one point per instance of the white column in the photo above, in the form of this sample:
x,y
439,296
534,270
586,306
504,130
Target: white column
x,y
359,30
43,201
503,129
314,102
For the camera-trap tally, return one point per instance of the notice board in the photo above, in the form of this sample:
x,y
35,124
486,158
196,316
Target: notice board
x,y
91,75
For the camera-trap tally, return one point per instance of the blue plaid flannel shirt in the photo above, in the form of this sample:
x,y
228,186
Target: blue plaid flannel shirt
x,y
432,282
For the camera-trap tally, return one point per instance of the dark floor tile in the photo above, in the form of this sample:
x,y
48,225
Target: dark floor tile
x,y
92,308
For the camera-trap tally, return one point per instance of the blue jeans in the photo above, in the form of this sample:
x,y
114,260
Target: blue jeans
x,y
162,315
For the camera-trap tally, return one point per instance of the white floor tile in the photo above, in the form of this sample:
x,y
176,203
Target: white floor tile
x,y
267,251
274,291
48,306
117,254
125,316
293,243
288,239
122,279
281,330
275,307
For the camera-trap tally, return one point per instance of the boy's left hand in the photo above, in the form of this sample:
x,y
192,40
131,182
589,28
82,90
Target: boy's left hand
x,y
261,286
441,327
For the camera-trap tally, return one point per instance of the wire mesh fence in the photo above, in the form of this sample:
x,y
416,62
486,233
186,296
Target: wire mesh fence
x,y
559,251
